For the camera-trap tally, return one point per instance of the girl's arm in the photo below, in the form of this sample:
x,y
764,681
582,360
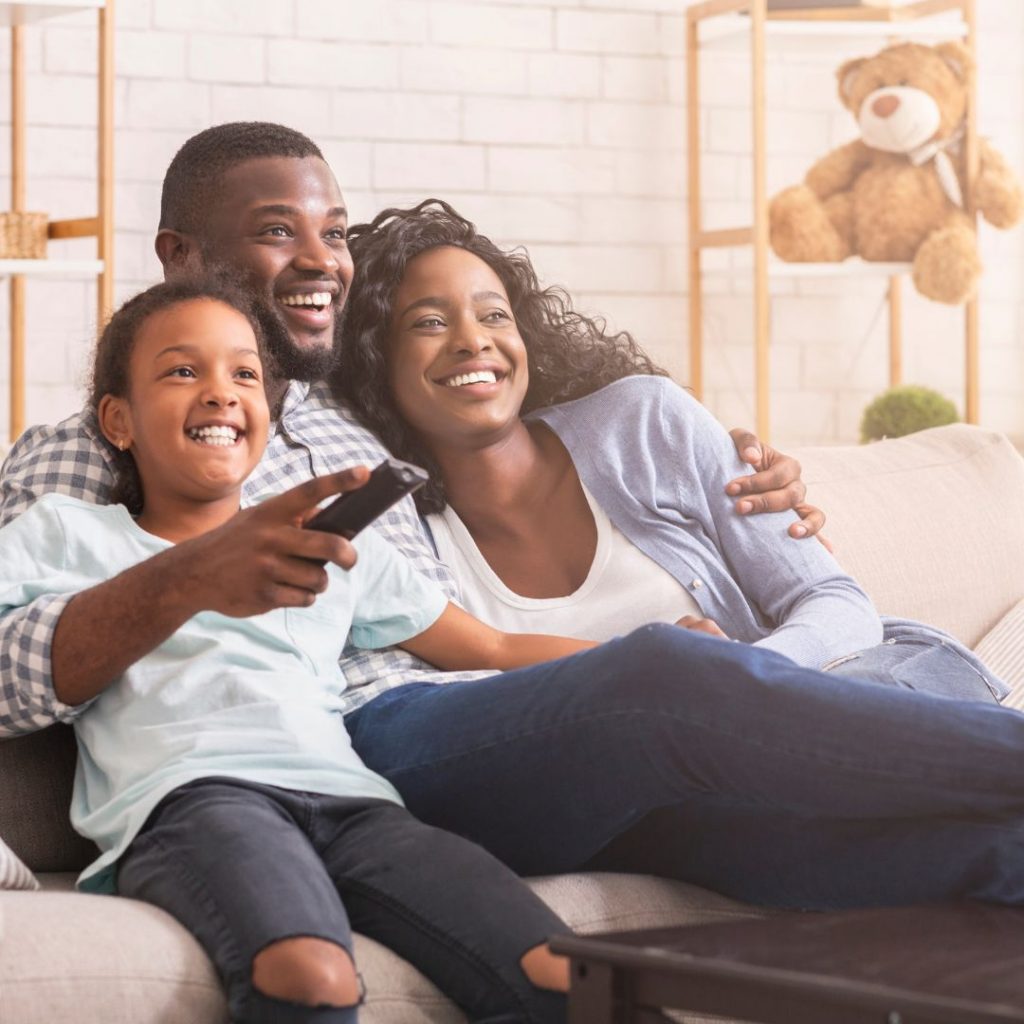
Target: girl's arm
x,y
257,561
457,641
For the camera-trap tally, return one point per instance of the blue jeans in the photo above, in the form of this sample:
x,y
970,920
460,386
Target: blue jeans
x,y
243,865
919,657
747,765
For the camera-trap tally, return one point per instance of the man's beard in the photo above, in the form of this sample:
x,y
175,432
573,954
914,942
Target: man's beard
x,y
283,360
288,361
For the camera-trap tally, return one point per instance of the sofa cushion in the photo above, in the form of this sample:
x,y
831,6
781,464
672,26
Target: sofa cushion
x,y
1002,649
100,960
36,774
107,960
929,524
604,902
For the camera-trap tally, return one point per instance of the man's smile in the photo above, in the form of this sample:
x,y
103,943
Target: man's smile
x,y
312,308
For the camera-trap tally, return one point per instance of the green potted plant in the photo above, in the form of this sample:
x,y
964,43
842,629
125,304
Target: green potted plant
x,y
905,410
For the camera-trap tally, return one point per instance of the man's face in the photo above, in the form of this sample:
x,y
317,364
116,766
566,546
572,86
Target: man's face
x,y
282,221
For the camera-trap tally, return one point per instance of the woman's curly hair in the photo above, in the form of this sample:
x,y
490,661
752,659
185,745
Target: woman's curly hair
x,y
112,359
568,355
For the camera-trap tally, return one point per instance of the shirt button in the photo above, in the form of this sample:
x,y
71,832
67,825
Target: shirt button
x,y
696,584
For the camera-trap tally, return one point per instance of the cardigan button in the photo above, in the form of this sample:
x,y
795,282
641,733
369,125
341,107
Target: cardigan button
x,y
696,584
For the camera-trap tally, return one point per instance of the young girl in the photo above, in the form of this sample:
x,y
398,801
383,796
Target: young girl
x,y
215,774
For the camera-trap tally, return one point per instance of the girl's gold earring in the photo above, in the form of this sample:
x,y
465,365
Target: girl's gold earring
x,y
121,445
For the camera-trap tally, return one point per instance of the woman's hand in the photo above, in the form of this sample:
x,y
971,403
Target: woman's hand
x,y
699,625
775,487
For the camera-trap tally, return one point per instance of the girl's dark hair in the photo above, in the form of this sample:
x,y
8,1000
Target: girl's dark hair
x,y
112,359
568,355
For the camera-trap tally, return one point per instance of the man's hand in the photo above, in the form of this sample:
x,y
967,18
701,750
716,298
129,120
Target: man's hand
x,y
262,558
775,487
699,625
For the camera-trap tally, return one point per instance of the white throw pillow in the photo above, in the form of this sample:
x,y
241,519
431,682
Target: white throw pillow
x,y
13,873
1002,650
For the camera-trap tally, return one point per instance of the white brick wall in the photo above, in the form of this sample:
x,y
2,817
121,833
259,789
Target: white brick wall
x,y
558,124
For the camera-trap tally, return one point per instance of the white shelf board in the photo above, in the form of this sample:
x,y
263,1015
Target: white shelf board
x,y
734,28
51,268
22,12
853,267
779,270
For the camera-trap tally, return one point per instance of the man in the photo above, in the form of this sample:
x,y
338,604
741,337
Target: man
x,y
545,766
258,198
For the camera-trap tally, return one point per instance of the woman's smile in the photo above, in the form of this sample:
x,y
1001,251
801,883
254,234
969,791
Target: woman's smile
x,y
474,381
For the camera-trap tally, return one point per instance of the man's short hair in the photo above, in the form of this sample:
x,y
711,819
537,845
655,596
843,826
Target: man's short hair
x,y
193,177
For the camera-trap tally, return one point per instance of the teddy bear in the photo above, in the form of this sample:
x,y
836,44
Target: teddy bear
x,y
897,193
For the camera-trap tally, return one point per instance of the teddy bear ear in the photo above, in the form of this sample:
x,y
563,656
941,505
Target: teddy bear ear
x,y
847,75
958,57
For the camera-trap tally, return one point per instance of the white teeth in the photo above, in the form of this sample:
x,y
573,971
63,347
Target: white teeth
x,y
313,299
477,377
221,437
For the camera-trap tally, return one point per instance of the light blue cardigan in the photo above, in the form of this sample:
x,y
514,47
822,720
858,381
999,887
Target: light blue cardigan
x,y
657,462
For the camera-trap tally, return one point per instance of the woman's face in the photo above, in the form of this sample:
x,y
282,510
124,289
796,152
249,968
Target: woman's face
x,y
456,363
196,419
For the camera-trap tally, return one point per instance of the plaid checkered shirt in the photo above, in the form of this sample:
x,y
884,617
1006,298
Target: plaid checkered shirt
x,y
313,436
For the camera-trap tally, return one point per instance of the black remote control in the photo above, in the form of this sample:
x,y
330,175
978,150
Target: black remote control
x,y
389,482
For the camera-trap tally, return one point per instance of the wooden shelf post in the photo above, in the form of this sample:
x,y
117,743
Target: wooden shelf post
x,y
972,358
17,285
895,331
100,226
696,380
105,170
762,300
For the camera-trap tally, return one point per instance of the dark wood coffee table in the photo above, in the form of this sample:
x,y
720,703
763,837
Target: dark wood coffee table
x,y
951,964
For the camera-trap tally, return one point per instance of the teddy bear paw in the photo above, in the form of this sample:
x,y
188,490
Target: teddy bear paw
x,y
947,267
998,199
800,228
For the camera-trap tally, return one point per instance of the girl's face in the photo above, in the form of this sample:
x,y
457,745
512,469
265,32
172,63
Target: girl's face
x,y
456,361
196,419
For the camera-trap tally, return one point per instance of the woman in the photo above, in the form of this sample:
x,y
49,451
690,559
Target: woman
x,y
572,484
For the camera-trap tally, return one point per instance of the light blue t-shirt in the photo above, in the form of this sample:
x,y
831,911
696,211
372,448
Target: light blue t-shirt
x,y
256,698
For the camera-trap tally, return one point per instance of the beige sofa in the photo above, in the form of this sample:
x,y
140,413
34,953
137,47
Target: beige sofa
x,y
932,524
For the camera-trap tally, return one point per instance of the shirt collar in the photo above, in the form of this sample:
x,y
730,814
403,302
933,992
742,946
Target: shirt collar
x,y
294,396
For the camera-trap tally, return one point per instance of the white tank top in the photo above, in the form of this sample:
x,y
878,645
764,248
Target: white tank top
x,y
624,588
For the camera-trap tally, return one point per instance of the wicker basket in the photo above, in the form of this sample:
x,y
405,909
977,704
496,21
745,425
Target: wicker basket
x,y
23,236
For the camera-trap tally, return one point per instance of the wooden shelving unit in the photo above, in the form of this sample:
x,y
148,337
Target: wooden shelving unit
x,y
100,225
724,22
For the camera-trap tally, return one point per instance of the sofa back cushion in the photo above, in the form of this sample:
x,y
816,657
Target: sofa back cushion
x,y
36,772
932,524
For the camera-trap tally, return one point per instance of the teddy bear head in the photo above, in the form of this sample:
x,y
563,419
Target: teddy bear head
x,y
908,95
